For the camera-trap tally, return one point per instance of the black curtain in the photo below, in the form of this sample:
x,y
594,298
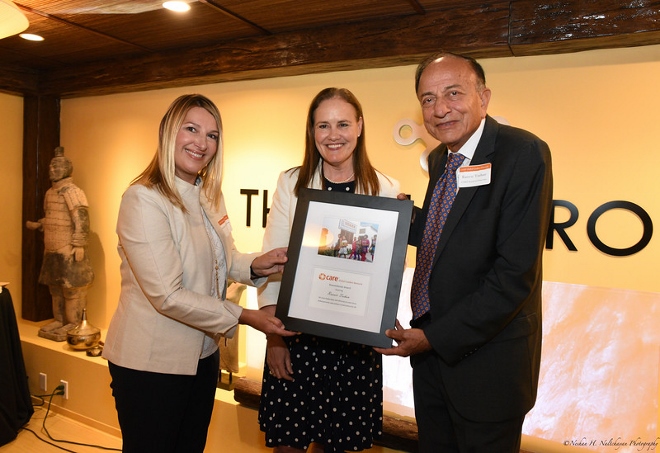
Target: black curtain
x,y
15,401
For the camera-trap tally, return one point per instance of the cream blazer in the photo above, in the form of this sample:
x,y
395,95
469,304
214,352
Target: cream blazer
x,y
165,308
280,221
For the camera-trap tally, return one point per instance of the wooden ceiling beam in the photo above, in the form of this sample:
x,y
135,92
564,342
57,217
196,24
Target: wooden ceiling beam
x,y
419,9
497,29
15,80
359,45
571,26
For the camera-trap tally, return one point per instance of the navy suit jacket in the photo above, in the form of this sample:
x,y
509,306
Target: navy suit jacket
x,y
485,284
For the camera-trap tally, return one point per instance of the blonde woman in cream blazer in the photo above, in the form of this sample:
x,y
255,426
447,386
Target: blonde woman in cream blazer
x,y
166,316
177,252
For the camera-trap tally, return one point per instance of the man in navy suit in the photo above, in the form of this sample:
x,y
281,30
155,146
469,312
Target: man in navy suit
x,y
476,353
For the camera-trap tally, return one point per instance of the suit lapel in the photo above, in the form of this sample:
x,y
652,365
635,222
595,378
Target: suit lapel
x,y
483,154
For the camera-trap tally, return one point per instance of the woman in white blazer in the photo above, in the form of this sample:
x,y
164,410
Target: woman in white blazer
x,y
177,252
318,392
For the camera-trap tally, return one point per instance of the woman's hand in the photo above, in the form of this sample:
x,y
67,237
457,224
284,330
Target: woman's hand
x,y
270,262
264,322
278,356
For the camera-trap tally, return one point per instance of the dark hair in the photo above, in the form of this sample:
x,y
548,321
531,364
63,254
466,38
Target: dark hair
x,y
476,67
366,179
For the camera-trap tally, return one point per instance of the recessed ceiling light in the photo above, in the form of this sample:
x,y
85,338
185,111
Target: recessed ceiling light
x,y
179,7
31,37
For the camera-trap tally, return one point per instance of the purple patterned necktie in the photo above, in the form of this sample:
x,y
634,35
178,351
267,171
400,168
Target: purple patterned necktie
x,y
441,201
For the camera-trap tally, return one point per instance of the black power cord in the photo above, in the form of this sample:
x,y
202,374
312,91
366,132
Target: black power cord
x,y
59,390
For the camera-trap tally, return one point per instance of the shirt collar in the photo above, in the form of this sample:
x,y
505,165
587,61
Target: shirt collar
x,y
471,145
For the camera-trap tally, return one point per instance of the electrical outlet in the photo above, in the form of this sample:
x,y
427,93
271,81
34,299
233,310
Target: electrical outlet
x,y
43,382
65,391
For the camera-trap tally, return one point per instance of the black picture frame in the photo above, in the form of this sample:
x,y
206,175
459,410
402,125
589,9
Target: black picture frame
x,y
332,294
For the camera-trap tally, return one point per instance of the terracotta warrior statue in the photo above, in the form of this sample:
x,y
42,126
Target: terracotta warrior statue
x,y
66,268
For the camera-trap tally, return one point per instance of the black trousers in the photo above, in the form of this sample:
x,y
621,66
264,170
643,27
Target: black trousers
x,y
442,429
165,412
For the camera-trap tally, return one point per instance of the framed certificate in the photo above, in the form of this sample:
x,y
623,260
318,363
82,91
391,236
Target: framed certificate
x,y
346,261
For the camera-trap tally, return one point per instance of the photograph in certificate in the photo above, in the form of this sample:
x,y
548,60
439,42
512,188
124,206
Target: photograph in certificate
x,y
348,239
334,283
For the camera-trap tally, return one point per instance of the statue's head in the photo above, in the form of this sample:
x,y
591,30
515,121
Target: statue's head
x,y
60,166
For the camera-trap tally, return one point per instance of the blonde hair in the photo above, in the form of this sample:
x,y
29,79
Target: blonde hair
x,y
160,172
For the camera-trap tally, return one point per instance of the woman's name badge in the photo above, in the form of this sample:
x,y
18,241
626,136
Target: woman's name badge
x,y
474,175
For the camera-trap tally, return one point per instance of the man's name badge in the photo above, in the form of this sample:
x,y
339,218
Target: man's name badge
x,y
474,175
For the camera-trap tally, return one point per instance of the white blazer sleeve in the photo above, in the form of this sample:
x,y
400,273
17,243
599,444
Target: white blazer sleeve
x,y
278,231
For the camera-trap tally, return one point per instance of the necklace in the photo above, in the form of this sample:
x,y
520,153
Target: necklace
x,y
215,285
339,182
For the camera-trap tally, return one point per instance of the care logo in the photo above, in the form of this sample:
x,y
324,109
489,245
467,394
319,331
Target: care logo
x,y
323,276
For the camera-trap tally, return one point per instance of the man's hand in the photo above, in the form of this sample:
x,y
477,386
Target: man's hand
x,y
403,196
270,262
409,341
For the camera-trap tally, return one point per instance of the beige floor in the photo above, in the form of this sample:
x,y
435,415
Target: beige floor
x,y
63,428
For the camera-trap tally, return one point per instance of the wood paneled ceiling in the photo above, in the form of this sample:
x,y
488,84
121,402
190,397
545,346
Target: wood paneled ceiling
x,y
98,46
